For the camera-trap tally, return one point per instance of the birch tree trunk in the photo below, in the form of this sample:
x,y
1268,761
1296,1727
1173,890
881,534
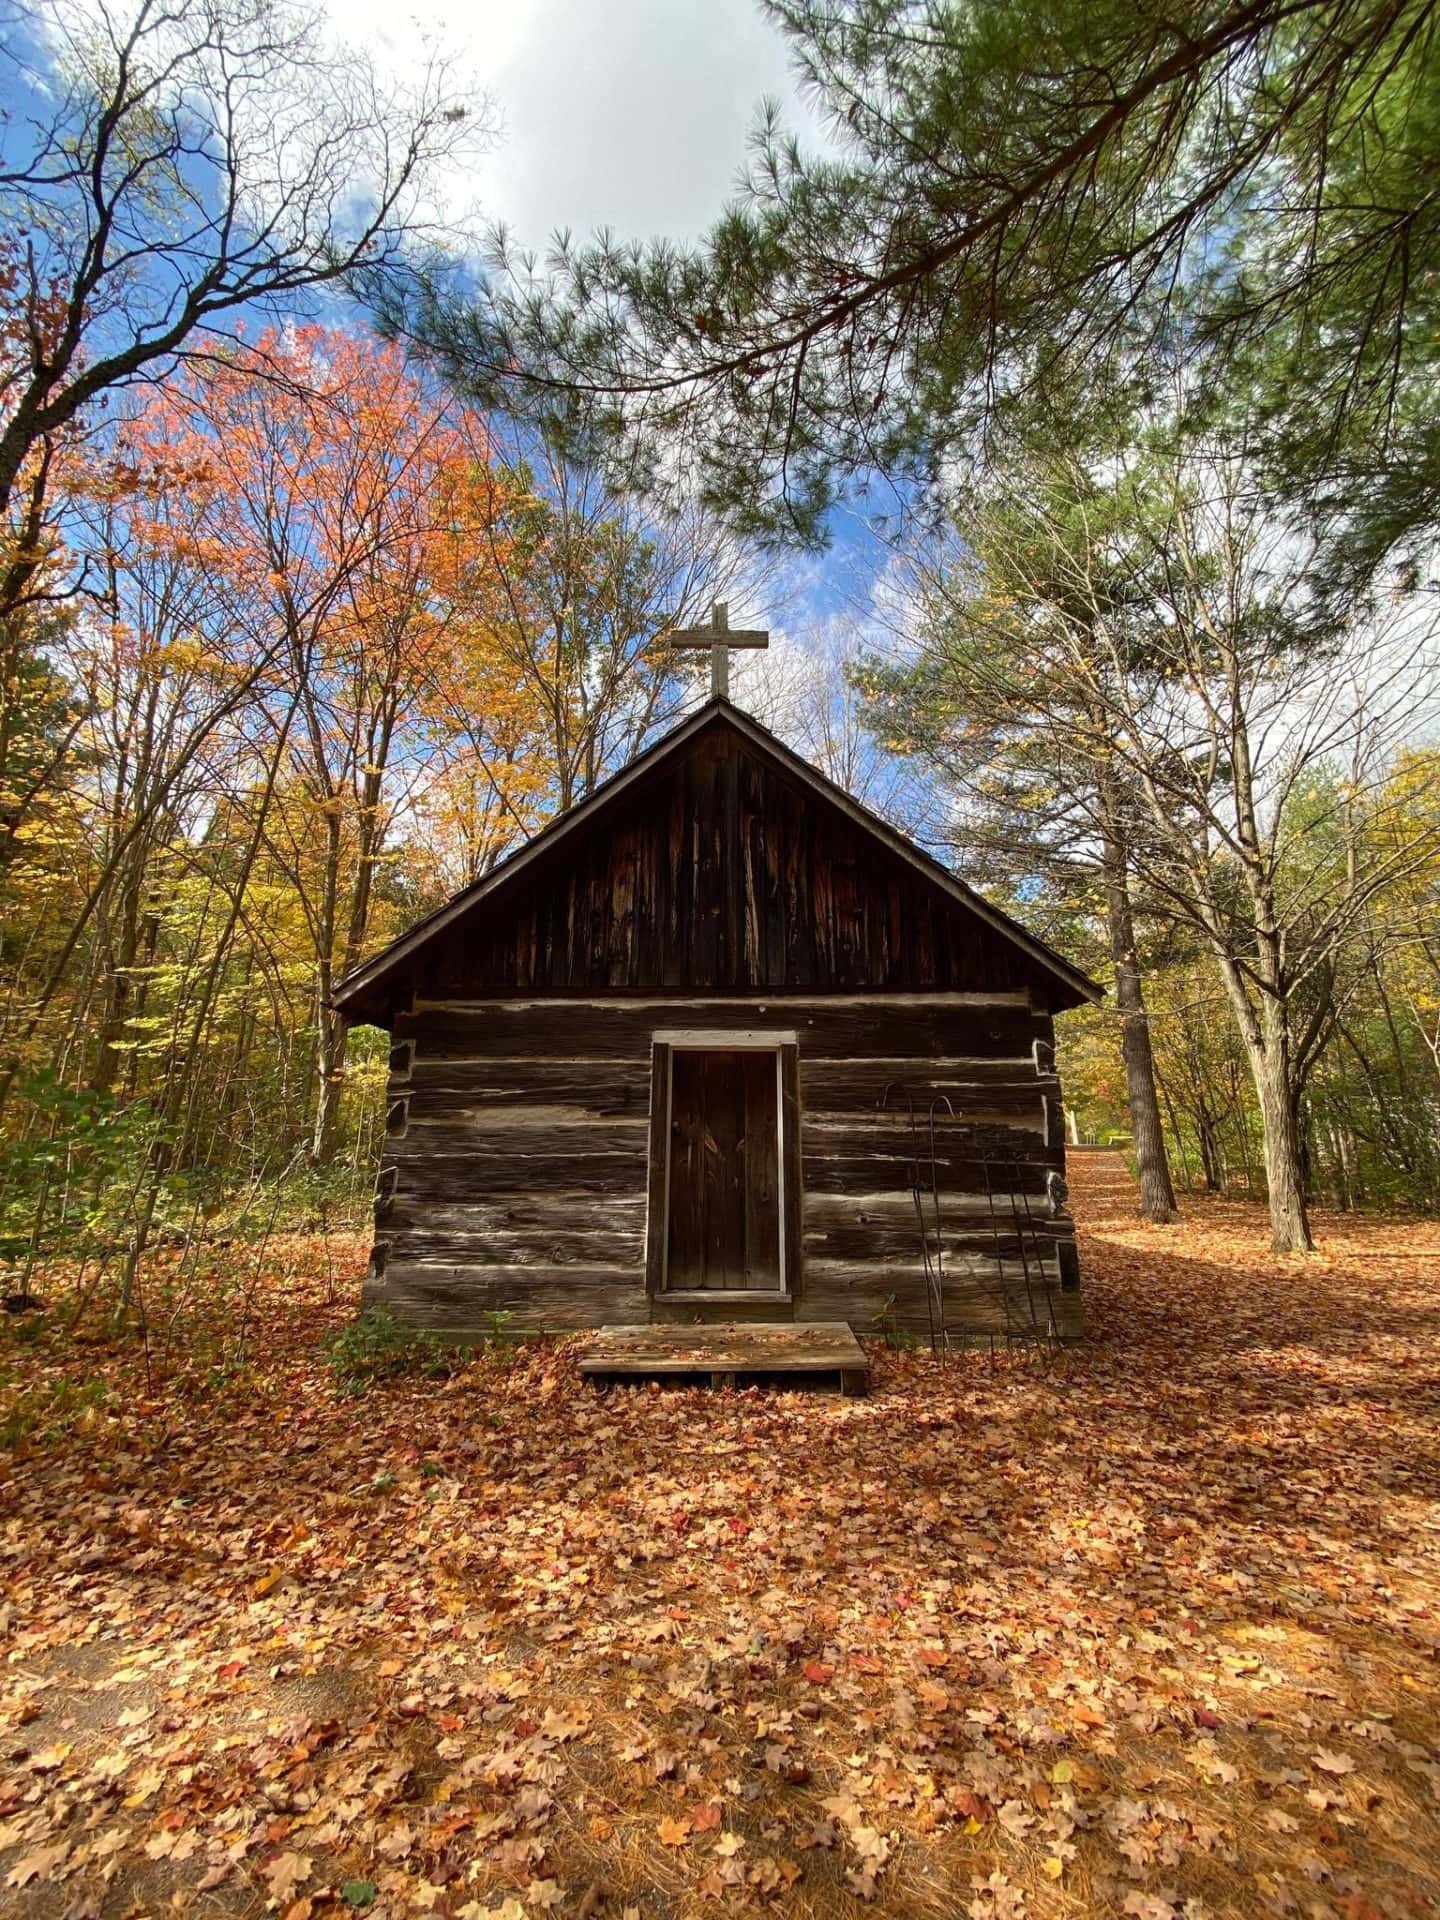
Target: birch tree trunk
x,y
334,1028
329,1026
1284,1161
1265,1033
1157,1190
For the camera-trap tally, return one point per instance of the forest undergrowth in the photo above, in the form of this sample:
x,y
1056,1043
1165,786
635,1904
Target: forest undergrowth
x,y
1153,1631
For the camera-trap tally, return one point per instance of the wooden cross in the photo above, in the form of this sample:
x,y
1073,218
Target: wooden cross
x,y
719,636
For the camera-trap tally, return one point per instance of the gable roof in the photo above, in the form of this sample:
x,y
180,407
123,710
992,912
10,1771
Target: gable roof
x,y
363,992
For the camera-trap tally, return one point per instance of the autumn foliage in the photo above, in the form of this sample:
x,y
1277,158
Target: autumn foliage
x,y
1150,1633
344,651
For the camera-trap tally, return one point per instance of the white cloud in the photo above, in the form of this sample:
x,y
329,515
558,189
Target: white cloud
x,y
630,114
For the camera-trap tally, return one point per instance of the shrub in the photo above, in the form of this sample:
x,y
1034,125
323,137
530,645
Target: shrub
x,y
48,1410
376,1346
887,1323
502,1339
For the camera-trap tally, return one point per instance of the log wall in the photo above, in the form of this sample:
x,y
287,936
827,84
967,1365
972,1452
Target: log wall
x,y
515,1177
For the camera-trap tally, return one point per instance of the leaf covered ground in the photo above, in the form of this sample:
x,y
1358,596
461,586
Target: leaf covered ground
x,y
1154,1632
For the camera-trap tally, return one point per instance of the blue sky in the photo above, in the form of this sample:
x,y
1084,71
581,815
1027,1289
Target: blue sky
x,y
627,114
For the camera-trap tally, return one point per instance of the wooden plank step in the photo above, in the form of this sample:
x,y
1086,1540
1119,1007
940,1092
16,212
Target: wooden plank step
x,y
728,1350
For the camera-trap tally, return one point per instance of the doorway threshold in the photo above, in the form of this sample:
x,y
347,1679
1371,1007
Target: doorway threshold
x,y
722,1296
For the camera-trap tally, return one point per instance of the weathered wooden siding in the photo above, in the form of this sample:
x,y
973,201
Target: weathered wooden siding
x,y
515,1173
722,873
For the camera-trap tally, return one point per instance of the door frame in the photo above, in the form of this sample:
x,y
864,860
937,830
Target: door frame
x,y
666,1042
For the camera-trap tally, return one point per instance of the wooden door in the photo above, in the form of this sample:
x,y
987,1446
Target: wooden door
x,y
723,1233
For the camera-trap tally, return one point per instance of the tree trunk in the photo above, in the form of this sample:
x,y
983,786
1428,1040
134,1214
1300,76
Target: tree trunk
x,y
22,430
330,1063
120,952
1289,1221
334,1027
1209,1153
1342,1152
1266,1030
1265,1034
1157,1191
329,1027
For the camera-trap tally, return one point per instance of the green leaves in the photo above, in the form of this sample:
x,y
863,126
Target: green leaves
x,y
1020,191
375,1347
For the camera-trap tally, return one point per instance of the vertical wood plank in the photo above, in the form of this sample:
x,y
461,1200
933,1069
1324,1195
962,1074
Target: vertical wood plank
x,y
791,1154
659,1168
723,874
761,1170
685,1207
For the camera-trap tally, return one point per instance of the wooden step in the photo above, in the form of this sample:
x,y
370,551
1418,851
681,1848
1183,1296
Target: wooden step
x,y
728,1351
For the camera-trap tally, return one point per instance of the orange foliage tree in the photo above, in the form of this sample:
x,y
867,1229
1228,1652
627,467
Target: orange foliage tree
x,y
346,495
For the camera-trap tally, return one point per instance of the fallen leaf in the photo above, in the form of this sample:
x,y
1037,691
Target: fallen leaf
x,y
285,1873
42,1864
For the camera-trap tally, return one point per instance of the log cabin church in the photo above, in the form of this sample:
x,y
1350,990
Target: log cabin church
x,y
720,1045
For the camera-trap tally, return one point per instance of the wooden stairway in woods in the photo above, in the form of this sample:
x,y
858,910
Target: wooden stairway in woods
x,y
730,1351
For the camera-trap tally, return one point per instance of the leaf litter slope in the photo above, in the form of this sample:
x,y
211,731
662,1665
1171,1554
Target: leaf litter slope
x,y
1152,1633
